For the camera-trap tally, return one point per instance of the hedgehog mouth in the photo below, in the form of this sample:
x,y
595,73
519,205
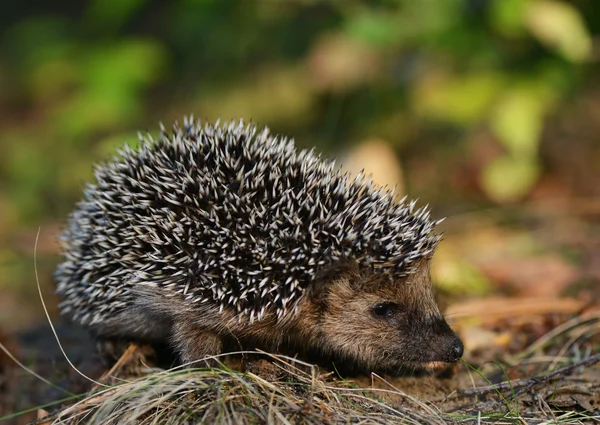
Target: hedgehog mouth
x,y
428,367
434,366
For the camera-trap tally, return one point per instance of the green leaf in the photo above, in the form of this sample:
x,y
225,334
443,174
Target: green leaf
x,y
374,28
111,14
112,82
408,20
507,16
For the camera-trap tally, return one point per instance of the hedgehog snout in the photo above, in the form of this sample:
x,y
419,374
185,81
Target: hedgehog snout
x,y
454,350
446,345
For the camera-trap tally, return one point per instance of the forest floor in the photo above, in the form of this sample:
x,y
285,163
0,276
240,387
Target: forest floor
x,y
554,379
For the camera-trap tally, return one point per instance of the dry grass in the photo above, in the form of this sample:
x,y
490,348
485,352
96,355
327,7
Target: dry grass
x,y
288,391
294,393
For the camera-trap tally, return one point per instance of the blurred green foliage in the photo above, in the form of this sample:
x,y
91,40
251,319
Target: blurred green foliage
x,y
77,79
104,67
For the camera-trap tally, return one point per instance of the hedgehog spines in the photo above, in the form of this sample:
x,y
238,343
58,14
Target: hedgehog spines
x,y
228,215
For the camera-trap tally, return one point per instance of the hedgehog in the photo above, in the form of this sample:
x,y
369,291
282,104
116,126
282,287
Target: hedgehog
x,y
218,236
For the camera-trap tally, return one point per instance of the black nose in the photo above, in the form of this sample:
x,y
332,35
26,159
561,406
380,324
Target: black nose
x,y
456,350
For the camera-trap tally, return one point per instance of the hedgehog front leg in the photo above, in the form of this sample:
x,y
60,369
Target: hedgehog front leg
x,y
193,344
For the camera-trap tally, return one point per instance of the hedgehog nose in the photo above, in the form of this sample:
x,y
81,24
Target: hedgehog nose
x,y
456,351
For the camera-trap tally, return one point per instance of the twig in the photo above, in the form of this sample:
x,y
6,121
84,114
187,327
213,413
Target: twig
x,y
521,385
125,357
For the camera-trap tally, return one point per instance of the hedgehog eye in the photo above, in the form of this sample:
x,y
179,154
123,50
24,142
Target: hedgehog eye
x,y
383,309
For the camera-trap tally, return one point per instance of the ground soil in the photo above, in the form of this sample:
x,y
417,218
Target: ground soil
x,y
560,376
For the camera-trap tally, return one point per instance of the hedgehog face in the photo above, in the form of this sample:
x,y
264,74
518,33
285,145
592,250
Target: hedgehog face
x,y
383,324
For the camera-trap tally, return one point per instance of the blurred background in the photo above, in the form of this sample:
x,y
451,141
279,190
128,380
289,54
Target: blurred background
x,y
488,110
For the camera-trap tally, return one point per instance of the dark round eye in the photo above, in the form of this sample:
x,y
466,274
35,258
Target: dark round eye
x,y
383,309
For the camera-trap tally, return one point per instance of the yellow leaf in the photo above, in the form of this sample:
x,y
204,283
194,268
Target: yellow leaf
x,y
559,26
461,100
450,270
507,178
517,121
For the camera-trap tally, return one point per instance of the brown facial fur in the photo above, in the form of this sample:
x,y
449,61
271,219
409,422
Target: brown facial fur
x,y
413,332
336,319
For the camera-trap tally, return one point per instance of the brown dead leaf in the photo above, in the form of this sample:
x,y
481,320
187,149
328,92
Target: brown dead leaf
x,y
497,308
41,414
377,158
338,62
543,276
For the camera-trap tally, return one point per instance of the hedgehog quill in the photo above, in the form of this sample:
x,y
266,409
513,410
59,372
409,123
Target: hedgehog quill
x,y
217,236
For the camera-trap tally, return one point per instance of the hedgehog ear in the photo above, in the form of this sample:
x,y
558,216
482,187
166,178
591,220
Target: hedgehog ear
x,y
328,276
420,268
333,271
